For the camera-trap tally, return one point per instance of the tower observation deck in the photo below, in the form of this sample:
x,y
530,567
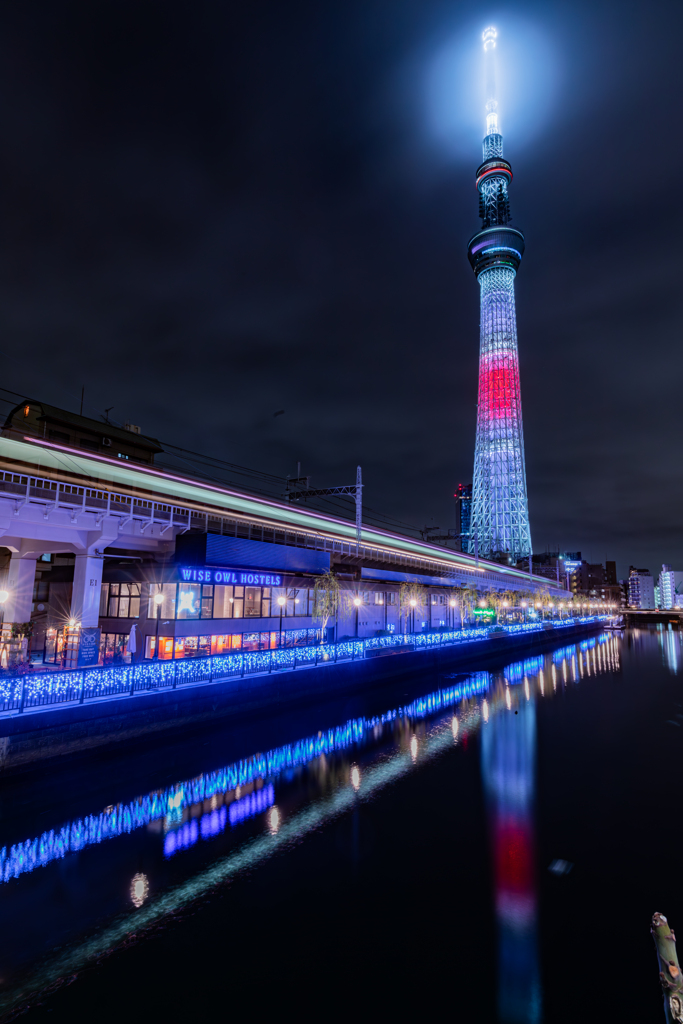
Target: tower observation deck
x,y
500,516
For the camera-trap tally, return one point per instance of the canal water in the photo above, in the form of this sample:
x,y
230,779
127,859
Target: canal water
x,y
487,845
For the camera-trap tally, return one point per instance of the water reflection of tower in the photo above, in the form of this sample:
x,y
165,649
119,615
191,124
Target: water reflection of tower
x,y
508,759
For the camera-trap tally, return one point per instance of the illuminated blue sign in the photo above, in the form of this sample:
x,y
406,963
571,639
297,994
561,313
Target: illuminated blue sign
x,y
571,565
241,577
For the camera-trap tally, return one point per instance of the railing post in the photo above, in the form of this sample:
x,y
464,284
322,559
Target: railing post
x,y
132,682
336,648
175,675
270,663
82,687
23,693
242,672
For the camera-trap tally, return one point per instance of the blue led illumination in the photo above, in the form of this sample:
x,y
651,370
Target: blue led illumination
x,y
18,693
171,803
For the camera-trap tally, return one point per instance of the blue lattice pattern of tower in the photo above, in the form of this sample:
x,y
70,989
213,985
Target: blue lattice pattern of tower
x,y
500,516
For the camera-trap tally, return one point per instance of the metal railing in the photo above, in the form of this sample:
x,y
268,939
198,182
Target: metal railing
x,y
78,686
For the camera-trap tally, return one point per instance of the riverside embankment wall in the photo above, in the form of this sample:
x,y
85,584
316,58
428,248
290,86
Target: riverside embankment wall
x,y
40,735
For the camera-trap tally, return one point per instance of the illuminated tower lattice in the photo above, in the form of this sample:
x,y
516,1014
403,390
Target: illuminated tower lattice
x,y
500,515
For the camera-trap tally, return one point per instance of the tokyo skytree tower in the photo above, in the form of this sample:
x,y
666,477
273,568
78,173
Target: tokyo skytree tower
x,y
500,516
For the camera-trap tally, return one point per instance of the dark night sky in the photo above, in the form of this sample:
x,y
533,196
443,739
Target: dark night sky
x,y
212,211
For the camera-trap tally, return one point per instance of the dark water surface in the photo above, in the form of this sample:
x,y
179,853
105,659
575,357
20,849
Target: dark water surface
x,y
488,846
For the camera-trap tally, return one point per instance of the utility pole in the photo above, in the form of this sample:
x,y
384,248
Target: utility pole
x,y
354,491
359,509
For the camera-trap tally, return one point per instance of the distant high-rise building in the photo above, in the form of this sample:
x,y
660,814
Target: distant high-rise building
x,y
670,587
464,496
587,577
641,589
611,573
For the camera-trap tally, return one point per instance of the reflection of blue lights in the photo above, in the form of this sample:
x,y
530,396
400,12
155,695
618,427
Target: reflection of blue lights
x,y
213,823
182,838
55,844
252,804
516,672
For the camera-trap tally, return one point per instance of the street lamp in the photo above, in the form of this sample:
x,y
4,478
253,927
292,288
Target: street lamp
x,y
524,607
453,615
357,602
413,602
158,601
282,601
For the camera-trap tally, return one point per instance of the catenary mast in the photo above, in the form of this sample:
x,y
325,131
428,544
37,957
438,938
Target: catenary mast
x,y
500,515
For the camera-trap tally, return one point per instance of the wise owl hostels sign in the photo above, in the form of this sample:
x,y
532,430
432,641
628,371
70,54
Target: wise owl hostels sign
x,y
231,577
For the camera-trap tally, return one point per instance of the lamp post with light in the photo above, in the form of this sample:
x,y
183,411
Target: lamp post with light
x,y
282,601
4,594
452,603
158,601
413,603
357,602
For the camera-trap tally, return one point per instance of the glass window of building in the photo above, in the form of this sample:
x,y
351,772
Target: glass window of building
x,y
223,598
207,602
161,609
252,602
120,600
189,600
379,597
295,602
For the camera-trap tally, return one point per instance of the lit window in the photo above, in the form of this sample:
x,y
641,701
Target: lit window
x,y
189,600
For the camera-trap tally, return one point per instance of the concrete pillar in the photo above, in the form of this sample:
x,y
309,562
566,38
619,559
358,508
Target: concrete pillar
x,y
85,597
19,586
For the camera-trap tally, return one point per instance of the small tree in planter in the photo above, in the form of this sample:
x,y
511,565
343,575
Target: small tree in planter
x,y
469,599
411,595
326,598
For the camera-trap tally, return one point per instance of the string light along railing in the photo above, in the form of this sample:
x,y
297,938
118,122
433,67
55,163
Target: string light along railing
x,y
79,686
174,802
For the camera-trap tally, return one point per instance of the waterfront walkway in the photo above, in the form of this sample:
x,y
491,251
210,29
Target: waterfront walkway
x,y
80,686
